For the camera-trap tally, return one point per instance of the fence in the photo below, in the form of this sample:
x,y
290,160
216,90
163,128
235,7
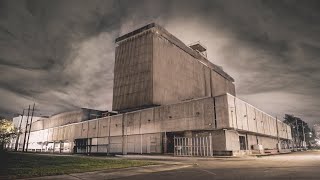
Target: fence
x,y
194,146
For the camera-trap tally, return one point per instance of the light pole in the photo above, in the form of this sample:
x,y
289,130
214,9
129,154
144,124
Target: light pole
x,y
298,135
18,136
30,126
293,136
304,137
25,130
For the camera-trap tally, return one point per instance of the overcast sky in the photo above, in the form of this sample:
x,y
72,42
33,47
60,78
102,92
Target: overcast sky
x,y
60,54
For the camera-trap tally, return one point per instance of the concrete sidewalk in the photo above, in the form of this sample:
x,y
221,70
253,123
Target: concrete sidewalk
x,y
117,173
168,158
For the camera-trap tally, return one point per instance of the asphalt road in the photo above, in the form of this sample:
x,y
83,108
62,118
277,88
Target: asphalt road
x,y
294,166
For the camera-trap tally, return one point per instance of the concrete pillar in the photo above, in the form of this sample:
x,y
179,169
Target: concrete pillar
x,y
164,140
54,146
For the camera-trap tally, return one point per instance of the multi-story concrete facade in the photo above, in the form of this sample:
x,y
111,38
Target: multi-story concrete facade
x,y
170,99
152,67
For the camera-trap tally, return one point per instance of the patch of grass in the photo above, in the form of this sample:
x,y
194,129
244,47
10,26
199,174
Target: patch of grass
x,y
31,165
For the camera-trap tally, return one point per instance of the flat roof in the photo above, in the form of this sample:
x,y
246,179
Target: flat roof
x,y
137,31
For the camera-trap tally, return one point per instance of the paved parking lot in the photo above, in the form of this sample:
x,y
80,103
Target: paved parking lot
x,y
294,166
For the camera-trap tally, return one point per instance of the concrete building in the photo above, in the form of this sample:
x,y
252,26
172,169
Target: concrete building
x,y
170,99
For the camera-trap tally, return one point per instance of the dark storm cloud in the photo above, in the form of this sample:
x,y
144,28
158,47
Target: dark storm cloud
x,y
60,54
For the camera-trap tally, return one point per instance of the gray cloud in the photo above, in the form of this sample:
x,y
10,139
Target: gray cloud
x,y
60,54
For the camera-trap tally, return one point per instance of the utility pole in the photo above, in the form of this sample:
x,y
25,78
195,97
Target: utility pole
x,y
30,126
304,137
278,145
293,135
25,130
297,128
18,136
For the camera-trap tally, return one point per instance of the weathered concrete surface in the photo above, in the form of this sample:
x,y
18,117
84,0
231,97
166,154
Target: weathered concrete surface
x,y
243,116
142,131
294,166
153,67
118,173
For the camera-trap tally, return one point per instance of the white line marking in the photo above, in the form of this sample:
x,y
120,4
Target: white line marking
x,y
208,171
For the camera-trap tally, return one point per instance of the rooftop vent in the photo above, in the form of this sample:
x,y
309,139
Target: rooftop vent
x,y
200,48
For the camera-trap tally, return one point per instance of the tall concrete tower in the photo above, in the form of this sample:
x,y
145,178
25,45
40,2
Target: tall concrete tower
x,y
152,67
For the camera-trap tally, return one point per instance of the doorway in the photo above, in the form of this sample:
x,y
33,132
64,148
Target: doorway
x,y
169,141
242,140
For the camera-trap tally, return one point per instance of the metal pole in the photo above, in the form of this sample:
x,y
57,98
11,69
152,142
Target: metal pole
x,y
174,146
210,144
109,136
197,142
304,136
89,141
30,126
18,136
25,130
97,133
297,132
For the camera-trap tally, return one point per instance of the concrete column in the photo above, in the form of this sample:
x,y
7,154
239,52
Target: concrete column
x,y
54,146
188,135
164,140
124,136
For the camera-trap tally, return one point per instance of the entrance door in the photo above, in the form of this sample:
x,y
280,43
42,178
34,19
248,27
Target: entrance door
x,y
82,145
170,140
242,140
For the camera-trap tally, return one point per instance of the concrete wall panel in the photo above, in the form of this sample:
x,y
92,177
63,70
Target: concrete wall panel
x,y
231,111
232,141
116,144
132,123
170,62
252,123
60,133
93,128
147,122
104,127
78,131
55,134
116,125
208,110
268,143
63,119
218,140
222,114
132,73
218,84
259,119
85,127
252,140
241,114
45,135
67,132
37,125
